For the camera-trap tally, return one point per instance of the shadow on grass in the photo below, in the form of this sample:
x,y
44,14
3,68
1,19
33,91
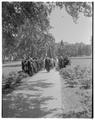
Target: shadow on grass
x,y
21,107
11,81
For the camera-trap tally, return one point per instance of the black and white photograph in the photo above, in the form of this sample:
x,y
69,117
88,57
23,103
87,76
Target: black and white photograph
x,y
47,59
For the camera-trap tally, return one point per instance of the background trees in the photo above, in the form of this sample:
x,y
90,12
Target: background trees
x,y
77,49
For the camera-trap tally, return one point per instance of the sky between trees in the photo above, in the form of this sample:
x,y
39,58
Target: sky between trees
x,y
63,27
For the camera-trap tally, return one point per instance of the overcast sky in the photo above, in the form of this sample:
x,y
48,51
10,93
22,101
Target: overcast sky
x,y
65,29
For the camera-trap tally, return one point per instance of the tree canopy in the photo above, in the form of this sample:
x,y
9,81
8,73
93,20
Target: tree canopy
x,y
25,25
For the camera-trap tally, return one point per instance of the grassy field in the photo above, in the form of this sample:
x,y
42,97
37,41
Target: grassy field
x,y
11,67
11,76
84,62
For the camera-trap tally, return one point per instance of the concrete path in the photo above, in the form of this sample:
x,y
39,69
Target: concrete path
x,y
37,97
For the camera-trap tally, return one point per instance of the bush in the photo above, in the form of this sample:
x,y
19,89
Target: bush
x,y
80,78
83,76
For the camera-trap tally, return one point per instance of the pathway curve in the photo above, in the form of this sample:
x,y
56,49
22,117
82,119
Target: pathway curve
x,y
37,97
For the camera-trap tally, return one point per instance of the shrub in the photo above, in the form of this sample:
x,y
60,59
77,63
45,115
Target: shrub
x,y
81,78
81,75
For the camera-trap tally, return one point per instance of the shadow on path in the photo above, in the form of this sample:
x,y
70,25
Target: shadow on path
x,y
31,106
36,97
27,101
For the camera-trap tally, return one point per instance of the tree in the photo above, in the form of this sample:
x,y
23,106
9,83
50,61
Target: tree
x,y
20,16
75,8
25,25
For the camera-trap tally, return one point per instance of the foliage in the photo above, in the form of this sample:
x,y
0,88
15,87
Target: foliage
x,y
75,8
79,74
77,49
31,41
79,79
72,114
25,26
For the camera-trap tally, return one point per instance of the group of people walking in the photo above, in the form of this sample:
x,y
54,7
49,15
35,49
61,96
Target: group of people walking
x,y
59,62
49,63
33,65
63,61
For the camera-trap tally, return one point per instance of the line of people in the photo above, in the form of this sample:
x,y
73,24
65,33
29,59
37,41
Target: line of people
x,y
59,62
33,65
63,62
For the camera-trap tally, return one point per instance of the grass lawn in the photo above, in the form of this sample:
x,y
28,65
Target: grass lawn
x,y
11,67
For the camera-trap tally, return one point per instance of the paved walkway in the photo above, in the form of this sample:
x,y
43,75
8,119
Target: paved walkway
x,y
37,97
